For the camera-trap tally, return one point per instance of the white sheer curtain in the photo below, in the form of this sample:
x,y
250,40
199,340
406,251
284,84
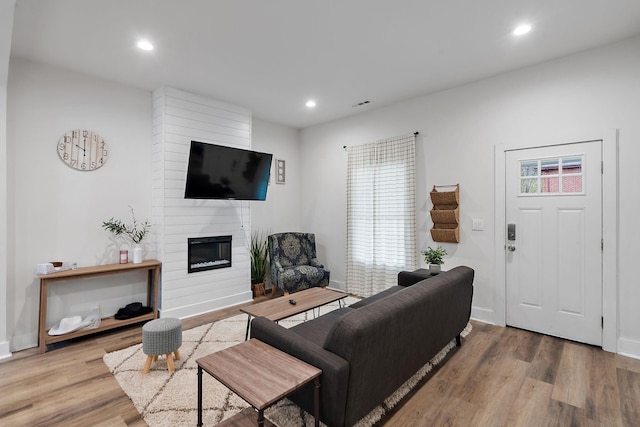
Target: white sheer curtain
x,y
381,213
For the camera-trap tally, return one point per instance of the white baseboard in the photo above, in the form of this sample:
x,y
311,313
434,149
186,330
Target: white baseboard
x,y
629,348
207,306
337,285
24,341
5,352
483,315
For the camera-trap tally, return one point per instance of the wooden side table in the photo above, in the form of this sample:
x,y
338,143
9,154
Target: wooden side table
x,y
261,375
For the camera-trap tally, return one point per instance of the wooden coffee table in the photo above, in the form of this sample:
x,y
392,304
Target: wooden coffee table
x,y
259,374
280,308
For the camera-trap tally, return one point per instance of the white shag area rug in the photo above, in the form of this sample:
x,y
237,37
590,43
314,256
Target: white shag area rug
x,y
168,400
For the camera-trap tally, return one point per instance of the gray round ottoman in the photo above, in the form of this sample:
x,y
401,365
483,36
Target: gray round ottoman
x,y
161,336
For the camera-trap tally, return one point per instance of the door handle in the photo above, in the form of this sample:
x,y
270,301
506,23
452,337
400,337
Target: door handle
x,y
511,248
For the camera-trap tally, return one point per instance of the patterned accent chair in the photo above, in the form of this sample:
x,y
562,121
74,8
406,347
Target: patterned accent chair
x,y
293,262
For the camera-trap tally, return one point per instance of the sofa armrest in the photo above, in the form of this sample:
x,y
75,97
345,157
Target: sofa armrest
x,y
298,346
335,369
315,262
276,271
278,266
408,278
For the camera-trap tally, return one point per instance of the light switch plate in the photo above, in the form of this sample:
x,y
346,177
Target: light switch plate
x,y
478,225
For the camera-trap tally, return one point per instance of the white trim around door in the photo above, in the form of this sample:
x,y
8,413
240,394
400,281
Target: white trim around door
x,y
609,140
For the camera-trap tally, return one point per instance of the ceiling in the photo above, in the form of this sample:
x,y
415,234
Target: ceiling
x,y
271,56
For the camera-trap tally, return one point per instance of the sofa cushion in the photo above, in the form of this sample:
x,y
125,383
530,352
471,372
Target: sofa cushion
x,y
373,298
301,277
316,330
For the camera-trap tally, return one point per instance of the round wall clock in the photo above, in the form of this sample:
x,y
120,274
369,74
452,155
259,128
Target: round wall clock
x,y
83,150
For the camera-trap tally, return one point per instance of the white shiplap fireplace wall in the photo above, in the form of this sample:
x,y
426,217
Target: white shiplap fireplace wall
x,y
178,118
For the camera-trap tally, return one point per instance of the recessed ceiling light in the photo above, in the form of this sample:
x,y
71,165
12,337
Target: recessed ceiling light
x,y
145,45
310,103
521,29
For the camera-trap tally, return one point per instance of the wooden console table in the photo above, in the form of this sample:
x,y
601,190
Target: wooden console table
x,y
153,268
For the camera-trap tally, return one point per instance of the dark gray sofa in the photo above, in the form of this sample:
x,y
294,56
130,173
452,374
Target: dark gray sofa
x,y
368,350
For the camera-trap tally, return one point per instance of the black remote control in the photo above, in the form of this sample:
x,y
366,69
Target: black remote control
x,y
292,302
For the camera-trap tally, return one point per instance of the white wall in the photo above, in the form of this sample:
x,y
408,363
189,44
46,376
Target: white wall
x,y
55,212
282,209
4,341
6,25
459,128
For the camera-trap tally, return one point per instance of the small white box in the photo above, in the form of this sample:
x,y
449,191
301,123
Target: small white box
x,y
45,268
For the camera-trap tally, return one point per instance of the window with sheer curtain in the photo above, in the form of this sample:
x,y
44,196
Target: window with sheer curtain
x,y
381,213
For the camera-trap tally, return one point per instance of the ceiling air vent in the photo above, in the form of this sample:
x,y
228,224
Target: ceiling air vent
x,y
360,104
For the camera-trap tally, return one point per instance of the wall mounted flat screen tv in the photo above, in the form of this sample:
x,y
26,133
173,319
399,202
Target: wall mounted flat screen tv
x,y
219,172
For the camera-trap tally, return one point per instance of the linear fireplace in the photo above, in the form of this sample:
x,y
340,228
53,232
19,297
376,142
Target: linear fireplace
x,y
208,253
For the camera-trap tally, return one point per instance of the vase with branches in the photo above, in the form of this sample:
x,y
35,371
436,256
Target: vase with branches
x,y
136,231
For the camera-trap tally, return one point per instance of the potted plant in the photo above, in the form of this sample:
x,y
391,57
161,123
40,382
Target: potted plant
x,y
136,231
259,252
435,258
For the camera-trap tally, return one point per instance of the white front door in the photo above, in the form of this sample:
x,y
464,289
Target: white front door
x,y
554,260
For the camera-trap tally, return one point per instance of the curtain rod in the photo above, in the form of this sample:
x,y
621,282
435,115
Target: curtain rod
x,y
344,147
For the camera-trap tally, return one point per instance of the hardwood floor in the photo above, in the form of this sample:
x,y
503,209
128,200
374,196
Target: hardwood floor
x,y
510,377
499,377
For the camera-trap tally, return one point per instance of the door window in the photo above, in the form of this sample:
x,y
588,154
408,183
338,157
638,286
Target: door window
x,y
552,176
